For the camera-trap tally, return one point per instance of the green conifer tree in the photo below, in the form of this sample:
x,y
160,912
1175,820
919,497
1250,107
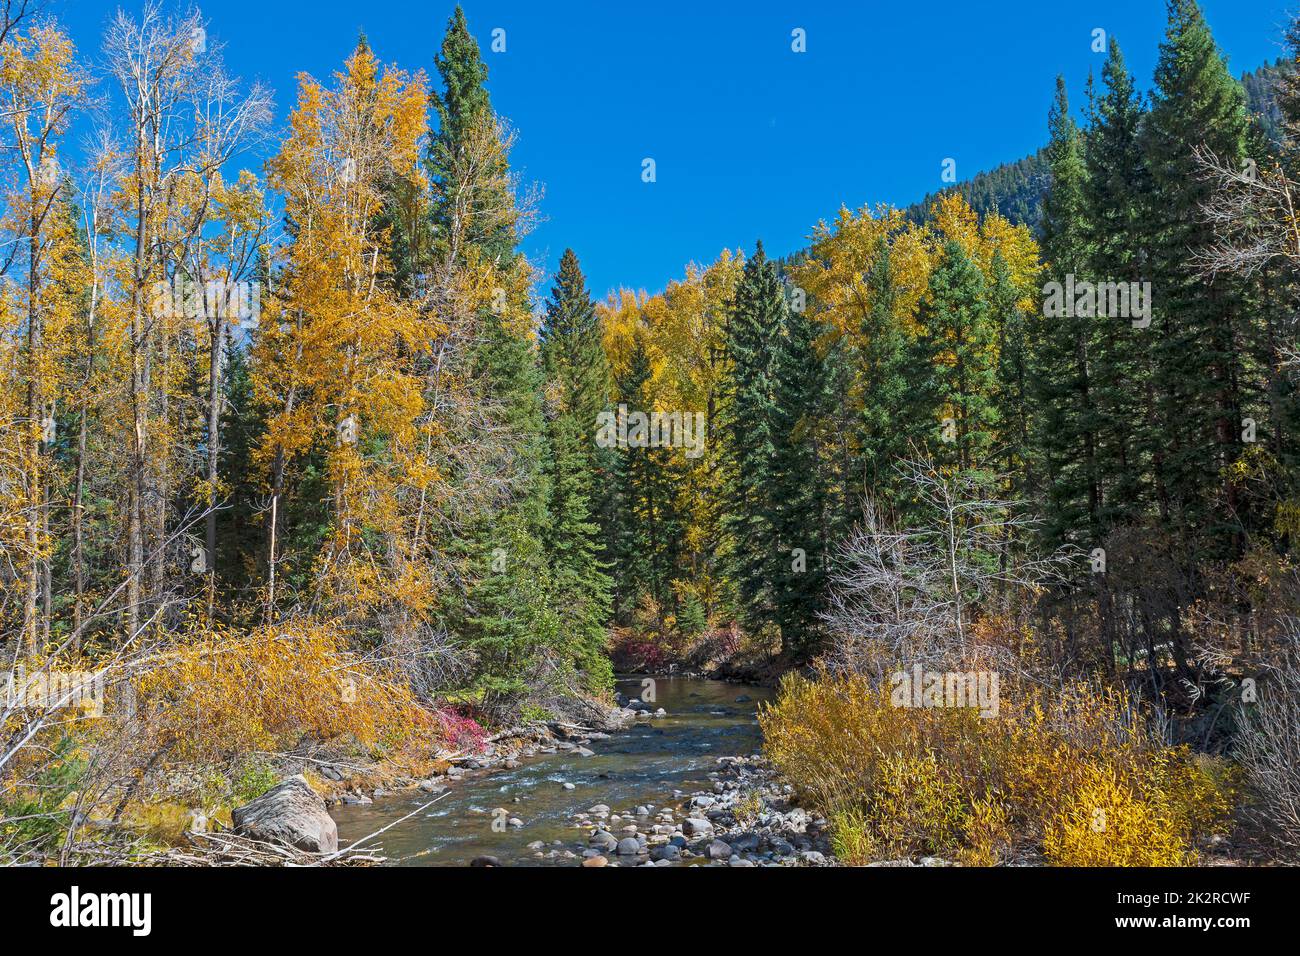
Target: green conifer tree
x,y
577,385
1198,324
756,320
1066,423
796,487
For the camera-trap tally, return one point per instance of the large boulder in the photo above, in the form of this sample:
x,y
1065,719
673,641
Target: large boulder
x,y
292,813
697,827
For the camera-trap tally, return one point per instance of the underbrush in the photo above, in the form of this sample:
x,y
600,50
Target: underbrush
x,y
656,642
219,694
1075,774
205,721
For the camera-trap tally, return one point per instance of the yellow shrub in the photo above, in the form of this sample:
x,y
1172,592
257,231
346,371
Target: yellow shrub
x,y
218,693
1106,823
915,807
988,836
852,839
943,780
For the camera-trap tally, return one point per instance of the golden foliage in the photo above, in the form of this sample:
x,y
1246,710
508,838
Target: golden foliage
x,y
220,693
336,362
1074,773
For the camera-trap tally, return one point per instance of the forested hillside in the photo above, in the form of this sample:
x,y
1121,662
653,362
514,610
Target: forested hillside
x,y
1015,189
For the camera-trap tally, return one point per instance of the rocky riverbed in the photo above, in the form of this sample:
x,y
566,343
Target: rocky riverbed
x,y
663,783
673,782
745,819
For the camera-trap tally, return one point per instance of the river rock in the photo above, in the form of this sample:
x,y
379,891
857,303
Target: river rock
x,y
485,861
604,840
718,850
697,826
595,861
666,852
291,813
628,846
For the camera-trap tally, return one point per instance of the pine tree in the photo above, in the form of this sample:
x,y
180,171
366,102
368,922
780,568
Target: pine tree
x,y
648,542
626,534
505,617
1197,328
1012,392
960,336
1063,343
1115,192
756,321
890,383
796,492
577,382
838,435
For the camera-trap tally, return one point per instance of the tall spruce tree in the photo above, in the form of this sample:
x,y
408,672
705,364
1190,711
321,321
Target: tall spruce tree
x,y
506,617
796,489
463,107
577,385
1115,213
648,522
755,323
1066,424
1197,340
1012,398
890,382
960,337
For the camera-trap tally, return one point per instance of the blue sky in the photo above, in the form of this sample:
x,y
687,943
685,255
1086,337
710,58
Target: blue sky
x,y
750,139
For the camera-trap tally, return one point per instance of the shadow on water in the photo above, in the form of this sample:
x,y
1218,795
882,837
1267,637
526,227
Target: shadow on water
x,y
652,764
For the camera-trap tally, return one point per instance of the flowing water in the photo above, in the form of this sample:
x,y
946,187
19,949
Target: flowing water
x,y
653,763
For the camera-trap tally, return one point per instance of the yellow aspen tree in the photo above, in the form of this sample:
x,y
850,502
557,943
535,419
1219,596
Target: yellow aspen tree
x,y
42,84
333,358
184,119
